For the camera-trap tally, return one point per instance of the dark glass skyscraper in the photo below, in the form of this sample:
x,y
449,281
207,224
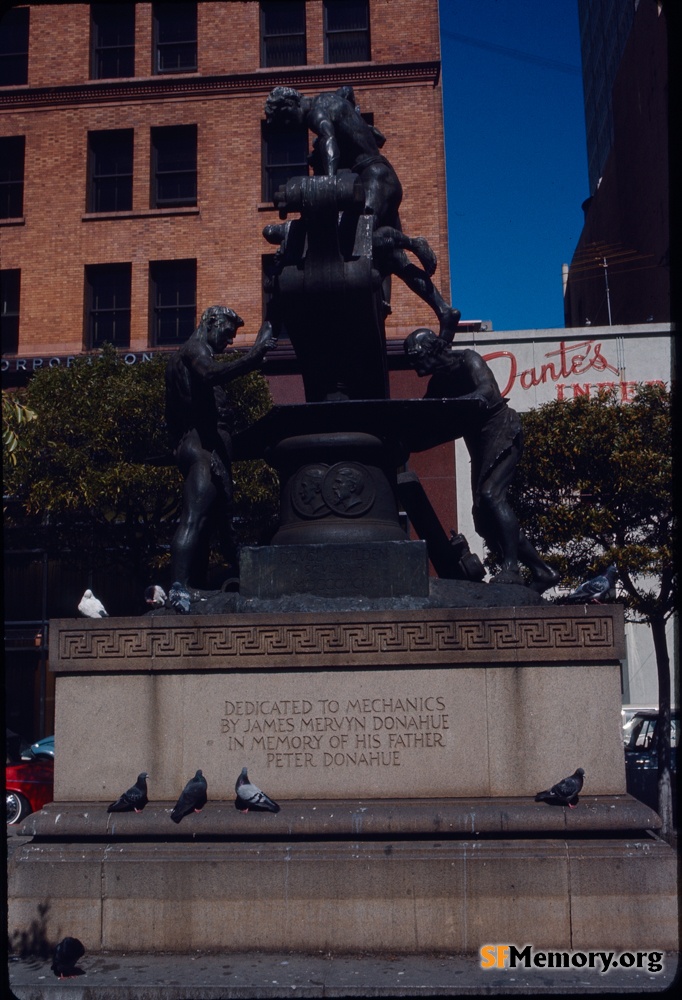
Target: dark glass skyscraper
x,y
604,29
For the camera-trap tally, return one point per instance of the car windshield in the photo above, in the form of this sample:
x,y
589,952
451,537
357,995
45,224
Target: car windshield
x,y
642,732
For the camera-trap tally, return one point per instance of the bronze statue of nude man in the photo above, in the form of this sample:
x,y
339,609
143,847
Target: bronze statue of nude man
x,y
494,442
346,140
199,425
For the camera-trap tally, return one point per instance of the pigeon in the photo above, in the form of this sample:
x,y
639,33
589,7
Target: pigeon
x,y
156,596
91,607
178,598
564,793
66,954
595,590
192,797
251,797
135,798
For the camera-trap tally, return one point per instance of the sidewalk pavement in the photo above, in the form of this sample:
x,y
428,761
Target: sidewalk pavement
x,y
107,976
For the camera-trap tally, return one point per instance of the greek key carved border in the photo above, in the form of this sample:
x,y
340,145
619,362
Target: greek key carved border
x,y
453,637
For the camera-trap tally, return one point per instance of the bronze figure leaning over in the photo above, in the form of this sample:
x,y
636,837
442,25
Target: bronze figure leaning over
x,y
494,442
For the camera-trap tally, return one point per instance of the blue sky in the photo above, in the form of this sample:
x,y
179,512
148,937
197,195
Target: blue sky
x,y
515,155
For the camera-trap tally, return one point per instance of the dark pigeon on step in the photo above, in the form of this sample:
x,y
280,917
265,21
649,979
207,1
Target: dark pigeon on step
x,y
193,798
565,792
66,955
134,799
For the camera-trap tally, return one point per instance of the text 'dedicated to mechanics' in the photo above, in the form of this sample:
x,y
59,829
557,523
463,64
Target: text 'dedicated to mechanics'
x,y
365,733
340,733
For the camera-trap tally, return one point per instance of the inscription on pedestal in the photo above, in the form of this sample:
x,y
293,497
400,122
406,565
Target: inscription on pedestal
x,y
323,735
360,569
336,732
329,735
402,732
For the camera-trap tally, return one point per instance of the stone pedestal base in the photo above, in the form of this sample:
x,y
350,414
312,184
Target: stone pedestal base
x,y
423,876
405,749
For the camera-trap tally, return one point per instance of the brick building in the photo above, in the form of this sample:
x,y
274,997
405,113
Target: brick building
x,y
137,172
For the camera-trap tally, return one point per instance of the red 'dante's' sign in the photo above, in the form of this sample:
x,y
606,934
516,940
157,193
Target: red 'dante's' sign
x,y
570,369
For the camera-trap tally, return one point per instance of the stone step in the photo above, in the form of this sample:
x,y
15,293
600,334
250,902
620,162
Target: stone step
x,y
354,819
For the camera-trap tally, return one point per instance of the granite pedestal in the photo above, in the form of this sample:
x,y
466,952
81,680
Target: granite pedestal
x,y
405,749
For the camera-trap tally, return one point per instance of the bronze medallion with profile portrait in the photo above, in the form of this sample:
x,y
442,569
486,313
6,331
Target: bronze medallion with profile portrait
x,y
348,489
306,491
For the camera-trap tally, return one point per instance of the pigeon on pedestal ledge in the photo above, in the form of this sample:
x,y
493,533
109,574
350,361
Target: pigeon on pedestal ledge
x,y
565,792
249,796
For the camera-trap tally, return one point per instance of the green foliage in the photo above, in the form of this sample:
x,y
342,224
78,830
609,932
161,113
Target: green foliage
x,y
594,487
95,473
14,413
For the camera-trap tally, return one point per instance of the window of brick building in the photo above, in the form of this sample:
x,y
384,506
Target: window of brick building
x,y
10,283
107,309
173,306
174,166
175,37
282,26
14,46
110,170
284,155
12,176
112,40
346,31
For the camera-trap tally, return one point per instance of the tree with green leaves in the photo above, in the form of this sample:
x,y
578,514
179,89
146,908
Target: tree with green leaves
x,y
594,487
95,480
14,414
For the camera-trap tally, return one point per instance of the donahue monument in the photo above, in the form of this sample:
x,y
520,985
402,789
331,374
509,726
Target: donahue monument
x,y
403,722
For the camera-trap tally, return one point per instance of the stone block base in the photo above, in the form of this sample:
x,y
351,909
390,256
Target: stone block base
x,y
449,895
360,569
405,748
378,704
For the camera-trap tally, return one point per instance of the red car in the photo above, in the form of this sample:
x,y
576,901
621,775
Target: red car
x,y
29,785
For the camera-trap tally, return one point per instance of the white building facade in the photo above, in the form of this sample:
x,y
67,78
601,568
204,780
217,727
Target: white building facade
x,y
538,366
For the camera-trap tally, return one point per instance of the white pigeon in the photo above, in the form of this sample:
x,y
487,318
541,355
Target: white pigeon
x,y
156,596
249,796
91,607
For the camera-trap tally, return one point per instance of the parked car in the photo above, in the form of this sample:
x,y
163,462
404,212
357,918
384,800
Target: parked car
x,y
627,714
641,756
29,785
29,776
42,750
